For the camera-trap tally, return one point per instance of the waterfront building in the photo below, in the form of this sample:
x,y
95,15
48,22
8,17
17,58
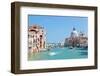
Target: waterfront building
x,y
36,38
76,39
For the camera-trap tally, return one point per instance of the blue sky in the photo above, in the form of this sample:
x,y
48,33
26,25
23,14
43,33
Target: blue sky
x,y
59,27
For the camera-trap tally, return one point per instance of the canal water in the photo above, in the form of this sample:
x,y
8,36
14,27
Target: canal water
x,y
59,53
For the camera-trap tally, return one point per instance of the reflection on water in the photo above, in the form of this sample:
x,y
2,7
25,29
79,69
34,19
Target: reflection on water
x,y
52,53
83,53
59,53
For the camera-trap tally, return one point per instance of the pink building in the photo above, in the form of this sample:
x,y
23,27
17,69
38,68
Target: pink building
x,y
36,38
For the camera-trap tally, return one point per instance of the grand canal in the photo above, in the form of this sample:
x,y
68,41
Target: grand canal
x,y
59,53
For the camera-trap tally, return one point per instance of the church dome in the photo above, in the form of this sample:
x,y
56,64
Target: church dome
x,y
74,33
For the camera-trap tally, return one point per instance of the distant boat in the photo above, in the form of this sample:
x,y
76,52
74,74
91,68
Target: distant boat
x,y
71,47
48,49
